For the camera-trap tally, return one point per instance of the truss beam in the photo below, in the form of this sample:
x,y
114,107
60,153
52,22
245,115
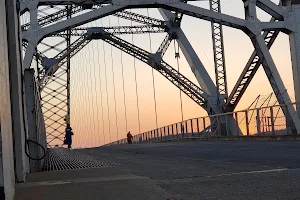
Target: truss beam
x,y
118,30
179,80
35,33
252,65
164,45
61,58
219,55
193,60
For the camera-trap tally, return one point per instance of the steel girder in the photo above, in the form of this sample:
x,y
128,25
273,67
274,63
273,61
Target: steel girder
x,y
249,71
35,32
163,47
219,55
193,60
175,77
139,29
179,80
251,26
61,58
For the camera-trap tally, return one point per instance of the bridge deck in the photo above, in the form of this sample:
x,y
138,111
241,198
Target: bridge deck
x,y
72,175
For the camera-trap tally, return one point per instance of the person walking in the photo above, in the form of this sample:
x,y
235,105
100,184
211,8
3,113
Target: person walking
x,y
129,138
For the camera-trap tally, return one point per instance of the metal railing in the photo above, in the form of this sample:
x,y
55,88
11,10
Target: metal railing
x,y
264,121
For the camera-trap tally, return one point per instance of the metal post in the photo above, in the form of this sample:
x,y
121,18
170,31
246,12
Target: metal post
x,y
197,120
173,131
258,121
192,127
177,130
227,130
247,123
236,123
218,124
272,120
287,125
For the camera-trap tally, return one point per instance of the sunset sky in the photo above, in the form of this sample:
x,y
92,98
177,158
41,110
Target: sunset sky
x,y
89,109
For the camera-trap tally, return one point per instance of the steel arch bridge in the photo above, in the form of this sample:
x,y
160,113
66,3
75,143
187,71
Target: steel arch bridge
x,y
64,19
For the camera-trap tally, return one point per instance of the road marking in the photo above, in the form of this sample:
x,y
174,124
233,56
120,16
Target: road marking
x,y
187,179
256,172
81,180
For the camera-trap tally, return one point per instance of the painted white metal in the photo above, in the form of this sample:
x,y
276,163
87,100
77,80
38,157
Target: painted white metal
x,y
270,7
192,58
251,26
7,173
295,52
17,95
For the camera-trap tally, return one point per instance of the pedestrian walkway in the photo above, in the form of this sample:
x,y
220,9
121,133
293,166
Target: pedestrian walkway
x,y
71,175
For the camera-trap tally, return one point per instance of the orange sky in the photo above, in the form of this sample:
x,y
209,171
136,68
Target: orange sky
x,y
88,79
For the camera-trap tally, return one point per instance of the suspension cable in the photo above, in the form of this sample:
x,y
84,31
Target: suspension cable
x,y
105,68
123,84
96,92
91,95
177,56
153,80
101,96
114,85
85,70
136,88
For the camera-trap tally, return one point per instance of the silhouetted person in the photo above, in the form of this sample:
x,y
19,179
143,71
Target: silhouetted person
x,y
129,138
68,136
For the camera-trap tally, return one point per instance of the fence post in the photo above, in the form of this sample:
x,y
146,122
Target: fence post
x,y
192,127
258,121
272,120
218,128
177,130
198,127
236,123
227,130
247,123
186,127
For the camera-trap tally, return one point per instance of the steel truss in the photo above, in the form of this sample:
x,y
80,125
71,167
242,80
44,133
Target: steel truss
x,y
219,55
283,20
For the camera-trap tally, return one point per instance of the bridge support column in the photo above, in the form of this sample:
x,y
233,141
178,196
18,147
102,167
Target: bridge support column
x,y
17,98
35,134
295,52
7,175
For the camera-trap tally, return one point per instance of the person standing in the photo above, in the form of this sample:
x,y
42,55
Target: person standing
x,y
68,136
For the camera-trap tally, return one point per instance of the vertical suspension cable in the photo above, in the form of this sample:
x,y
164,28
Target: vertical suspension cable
x,y
95,91
136,88
153,80
105,68
101,96
123,81
180,92
88,129
92,94
114,85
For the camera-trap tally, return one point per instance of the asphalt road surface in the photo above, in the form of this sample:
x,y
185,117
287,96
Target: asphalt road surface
x,y
214,170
